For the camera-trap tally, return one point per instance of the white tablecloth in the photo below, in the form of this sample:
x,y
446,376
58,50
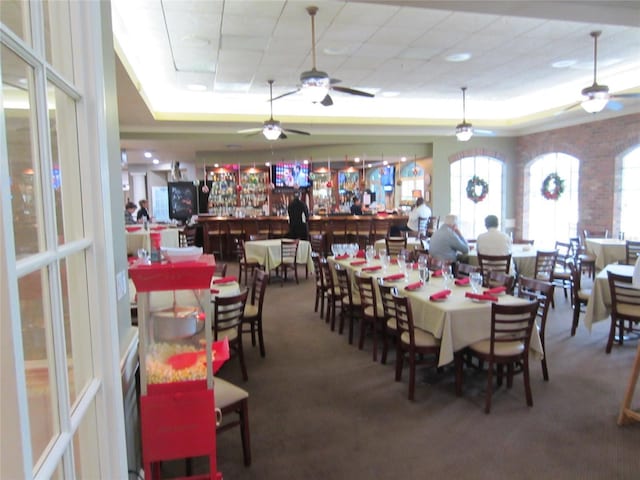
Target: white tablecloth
x,y
522,256
457,322
599,306
606,250
412,244
141,239
267,253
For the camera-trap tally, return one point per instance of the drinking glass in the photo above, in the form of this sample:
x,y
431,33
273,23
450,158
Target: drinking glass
x,y
384,260
370,253
423,261
447,276
475,279
334,249
424,274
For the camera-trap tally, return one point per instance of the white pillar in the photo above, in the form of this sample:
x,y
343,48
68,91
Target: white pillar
x,y
138,186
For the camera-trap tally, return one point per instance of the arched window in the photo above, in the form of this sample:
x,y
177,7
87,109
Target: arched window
x,y
412,178
630,195
551,220
471,214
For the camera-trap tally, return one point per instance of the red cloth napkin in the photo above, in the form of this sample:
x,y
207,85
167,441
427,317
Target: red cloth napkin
x,y
395,276
437,273
220,281
360,254
440,295
214,290
371,269
462,281
481,296
413,286
494,290
132,229
342,257
358,262
393,261
377,257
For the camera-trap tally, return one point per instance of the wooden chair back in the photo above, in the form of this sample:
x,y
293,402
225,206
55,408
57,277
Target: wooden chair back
x,y
501,279
220,270
318,245
466,269
366,289
395,245
489,263
432,225
257,236
633,250
288,251
387,293
512,323
258,289
545,264
625,300
404,318
595,232
227,312
344,285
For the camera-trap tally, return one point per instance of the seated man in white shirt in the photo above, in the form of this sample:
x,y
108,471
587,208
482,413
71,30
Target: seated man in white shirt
x,y
493,241
420,210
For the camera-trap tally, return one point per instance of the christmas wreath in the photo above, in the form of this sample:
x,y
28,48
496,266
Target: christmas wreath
x,y
472,189
552,187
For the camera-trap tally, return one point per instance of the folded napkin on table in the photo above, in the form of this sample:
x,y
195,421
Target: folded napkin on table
x,y
414,265
462,281
157,229
377,257
437,273
360,254
220,281
395,276
371,269
440,295
481,296
413,286
342,257
214,290
495,290
358,262
393,261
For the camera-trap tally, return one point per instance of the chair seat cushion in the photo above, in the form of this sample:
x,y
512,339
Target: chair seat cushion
x,y
226,394
423,339
368,311
501,348
250,311
355,302
230,333
584,294
392,324
629,310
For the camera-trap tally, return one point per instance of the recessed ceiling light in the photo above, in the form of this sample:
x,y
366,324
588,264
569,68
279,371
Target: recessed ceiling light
x,y
197,87
458,57
155,161
564,63
267,164
147,155
195,41
216,165
403,159
357,159
306,162
385,162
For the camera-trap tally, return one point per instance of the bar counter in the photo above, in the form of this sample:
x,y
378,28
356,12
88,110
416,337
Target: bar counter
x,y
219,232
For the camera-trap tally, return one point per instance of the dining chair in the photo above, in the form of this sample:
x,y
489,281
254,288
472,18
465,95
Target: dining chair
x,y
231,399
331,291
432,225
489,263
395,245
523,241
423,227
318,245
252,237
508,345
371,311
390,329
633,250
187,236
545,264
561,275
319,284
542,291
625,306
465,269
595,232
579,295
252,314
227,322
245,265
350,308
501,279
583,259
414,345
288,256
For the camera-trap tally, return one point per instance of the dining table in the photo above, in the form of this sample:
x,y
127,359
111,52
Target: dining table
x,y
599,305
138,237
523,257
413,243
267,253
457,321
606,250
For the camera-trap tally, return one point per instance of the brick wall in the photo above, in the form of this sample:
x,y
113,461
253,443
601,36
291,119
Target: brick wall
x,y
598,146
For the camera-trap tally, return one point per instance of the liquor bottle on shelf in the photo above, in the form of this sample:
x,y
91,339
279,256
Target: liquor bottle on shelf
x,y
222,195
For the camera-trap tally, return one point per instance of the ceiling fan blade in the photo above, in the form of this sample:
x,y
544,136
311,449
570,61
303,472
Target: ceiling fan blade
x,y
352,91
326,101
250,130
614,105
333,81
625,95
300,132
286,94
282,136
571,107
484,133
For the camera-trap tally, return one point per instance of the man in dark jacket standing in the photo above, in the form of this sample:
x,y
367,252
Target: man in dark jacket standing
x,y
298,218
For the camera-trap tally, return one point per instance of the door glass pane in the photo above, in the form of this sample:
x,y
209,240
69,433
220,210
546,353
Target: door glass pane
x,y
76,322
630,194
15,15
17,82
38,355
65,175
58,37
85,446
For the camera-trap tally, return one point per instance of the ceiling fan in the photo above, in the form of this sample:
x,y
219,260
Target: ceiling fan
x,y
271,129
464,130
597,96
315,84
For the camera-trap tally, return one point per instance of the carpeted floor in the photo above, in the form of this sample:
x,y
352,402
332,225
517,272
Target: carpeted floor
x,y
322,409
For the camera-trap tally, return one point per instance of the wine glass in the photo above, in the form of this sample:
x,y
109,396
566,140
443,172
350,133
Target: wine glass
x,y
370,253
447,275
475,279
384,260
424,274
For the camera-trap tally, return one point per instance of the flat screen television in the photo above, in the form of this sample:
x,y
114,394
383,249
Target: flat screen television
x,y
290,175
183,200
387,178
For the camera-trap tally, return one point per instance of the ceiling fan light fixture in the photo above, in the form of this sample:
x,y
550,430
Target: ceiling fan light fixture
x,y
272,131
464,131
597,97
315,86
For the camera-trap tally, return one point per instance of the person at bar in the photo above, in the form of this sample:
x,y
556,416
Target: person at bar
x,y
143,213
298,218
419,210
356,207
